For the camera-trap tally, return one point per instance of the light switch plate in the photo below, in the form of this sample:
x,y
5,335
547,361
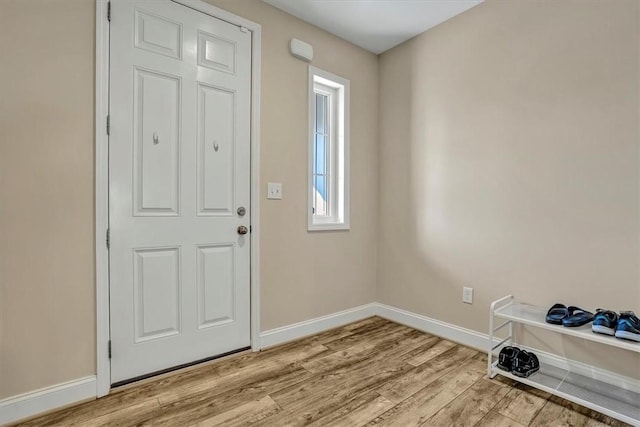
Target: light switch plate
x,y
274,190
467,295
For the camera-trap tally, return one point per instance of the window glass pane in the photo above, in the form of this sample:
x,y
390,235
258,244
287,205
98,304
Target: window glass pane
x,y
320,154
320,189
329,195
321,113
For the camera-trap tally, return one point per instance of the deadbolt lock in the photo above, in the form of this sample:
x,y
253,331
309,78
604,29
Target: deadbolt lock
x,y
241,211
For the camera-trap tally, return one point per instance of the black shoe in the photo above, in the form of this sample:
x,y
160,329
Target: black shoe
x,y
605,322
628,326
506,357
525,364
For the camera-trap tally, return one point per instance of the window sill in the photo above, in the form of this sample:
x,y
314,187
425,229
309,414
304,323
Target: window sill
x,y
328,226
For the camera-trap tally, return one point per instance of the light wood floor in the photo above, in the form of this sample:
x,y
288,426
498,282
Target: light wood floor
x,y
373,372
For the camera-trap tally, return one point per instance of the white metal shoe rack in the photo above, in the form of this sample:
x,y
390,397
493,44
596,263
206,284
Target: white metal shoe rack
x,y
620,401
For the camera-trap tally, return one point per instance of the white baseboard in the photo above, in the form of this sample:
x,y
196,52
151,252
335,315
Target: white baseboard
x,y
36,402
313,326
426,324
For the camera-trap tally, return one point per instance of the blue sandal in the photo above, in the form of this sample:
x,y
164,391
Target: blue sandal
x,y
556,314
577,317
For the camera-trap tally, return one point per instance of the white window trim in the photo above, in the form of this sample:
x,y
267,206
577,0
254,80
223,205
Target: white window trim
x,y
339,191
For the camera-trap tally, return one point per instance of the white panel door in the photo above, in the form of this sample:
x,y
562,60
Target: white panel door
x,y
179,170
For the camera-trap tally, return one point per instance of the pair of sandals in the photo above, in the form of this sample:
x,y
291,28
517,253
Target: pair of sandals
x,y
571,317
520,363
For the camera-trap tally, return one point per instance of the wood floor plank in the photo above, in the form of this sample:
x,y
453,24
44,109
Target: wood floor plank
x,y
365,333
470,407
413,342
285,354
368,321
358,328
246,374
494,419
552,414
338,414
420,406
127,416
389,345
363,406
397,349
400,388
521,405
589,413
428,344
327,389
431,351
366,325
246,414
216,401
359,415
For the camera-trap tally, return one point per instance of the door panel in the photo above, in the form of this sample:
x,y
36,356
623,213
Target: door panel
x,y
216,118
158,34
216,53
215,285
157,293
179,168
157,133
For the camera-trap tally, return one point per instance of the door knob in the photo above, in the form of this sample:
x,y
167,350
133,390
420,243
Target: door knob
x,y
242,230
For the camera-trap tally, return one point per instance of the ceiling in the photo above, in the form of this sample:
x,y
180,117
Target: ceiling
x,y
375,25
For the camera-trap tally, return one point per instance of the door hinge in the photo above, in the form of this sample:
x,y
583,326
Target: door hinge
x,y
108,238
109,348
109,11
109,124
244,29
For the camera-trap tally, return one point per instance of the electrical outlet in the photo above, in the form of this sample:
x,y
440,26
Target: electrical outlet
x,y
274,190
467,295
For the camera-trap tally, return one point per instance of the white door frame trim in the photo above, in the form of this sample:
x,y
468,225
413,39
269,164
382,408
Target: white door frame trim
x,y
103,366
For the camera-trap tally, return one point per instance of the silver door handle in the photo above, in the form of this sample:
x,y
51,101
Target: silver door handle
x,y
242,230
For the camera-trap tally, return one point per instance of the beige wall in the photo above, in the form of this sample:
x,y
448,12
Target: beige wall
x,y
46,193
509,163
46,134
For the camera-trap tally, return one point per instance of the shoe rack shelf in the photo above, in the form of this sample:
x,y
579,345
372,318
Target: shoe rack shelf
x,y
612,400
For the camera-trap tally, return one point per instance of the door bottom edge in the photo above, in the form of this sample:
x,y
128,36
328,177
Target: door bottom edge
x,y
177,368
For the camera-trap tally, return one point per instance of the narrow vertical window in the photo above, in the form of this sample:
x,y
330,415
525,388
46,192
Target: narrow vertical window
x,y
328,151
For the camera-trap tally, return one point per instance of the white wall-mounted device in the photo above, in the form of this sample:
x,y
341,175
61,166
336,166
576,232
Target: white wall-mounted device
x,y
301,50
274,190
467,295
